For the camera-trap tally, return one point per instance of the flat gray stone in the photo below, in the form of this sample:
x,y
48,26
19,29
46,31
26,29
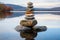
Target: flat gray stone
x,y
40,28
21,28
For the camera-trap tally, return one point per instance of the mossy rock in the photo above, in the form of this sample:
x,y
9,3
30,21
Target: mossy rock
x,y
28,23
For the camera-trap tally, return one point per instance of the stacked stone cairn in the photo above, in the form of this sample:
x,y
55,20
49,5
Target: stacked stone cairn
x,y
29,22
29,17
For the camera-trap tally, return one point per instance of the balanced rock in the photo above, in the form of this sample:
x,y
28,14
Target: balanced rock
x,y
28,23
30,3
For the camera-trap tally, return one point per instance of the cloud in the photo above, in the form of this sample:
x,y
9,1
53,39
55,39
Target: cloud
x,y
47,5
37,3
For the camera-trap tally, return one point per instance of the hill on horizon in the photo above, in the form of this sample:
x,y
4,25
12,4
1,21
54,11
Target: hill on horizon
x,y
21,8
16,7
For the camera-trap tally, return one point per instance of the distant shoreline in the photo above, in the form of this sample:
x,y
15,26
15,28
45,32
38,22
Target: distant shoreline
x,y
35,11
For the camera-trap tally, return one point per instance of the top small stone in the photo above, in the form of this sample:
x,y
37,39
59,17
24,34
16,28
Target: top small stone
x,y
30,3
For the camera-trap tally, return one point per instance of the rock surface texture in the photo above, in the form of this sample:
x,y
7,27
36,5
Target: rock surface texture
x,y
30,21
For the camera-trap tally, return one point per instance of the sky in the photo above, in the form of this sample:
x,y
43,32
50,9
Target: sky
x,y
37,3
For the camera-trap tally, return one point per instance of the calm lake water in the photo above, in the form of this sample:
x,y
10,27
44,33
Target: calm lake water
x,y
52,21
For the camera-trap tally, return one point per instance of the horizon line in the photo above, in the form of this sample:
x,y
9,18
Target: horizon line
x,y
35,11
